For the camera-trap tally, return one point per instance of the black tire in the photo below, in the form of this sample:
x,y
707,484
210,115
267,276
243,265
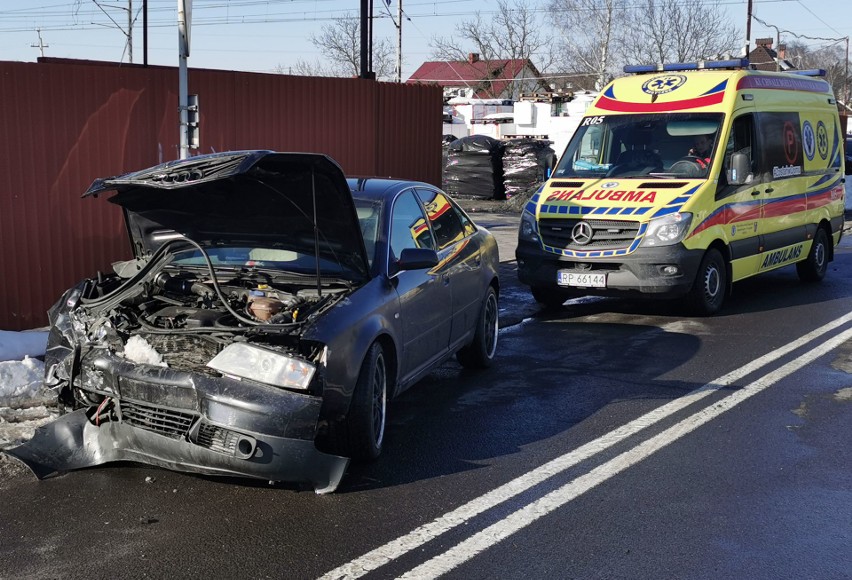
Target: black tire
x,y
710,286
549,297
479,354
814,267
365,424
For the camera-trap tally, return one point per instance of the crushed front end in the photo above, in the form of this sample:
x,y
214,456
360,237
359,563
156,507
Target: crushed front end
x,y
137,378
196,355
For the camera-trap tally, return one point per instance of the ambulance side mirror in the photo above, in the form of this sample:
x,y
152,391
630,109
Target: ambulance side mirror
x,y
739,169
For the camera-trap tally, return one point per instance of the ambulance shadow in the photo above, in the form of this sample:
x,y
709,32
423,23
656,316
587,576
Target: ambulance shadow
x,y
547,379
782,289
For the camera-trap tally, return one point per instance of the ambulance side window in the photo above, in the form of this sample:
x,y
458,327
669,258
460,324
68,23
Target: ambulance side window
x,y
741,140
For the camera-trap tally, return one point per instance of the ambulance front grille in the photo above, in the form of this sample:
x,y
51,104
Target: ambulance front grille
x,y
606,234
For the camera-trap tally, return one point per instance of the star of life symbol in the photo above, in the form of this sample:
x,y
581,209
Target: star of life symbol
x,y
808,140
822,140
663,84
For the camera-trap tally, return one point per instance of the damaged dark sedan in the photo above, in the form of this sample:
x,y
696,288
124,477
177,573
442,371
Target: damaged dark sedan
x,y
270,311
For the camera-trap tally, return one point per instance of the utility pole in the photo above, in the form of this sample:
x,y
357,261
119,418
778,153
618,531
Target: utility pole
x,y
399,42
184,22
748,30
145,32
130,31
41,45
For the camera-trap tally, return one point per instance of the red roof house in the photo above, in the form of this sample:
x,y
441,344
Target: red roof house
x,y
480,79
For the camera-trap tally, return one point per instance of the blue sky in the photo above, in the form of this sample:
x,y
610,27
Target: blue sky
x,y
258,35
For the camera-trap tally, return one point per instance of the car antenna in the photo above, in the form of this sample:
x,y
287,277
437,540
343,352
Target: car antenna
x,y
316,229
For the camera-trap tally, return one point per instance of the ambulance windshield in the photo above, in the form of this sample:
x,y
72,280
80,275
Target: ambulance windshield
x,y
663,146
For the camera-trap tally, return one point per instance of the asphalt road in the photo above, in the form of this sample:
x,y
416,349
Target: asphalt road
x,y
612,439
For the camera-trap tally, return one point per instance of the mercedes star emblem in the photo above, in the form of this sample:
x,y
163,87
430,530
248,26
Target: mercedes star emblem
x,y
582,233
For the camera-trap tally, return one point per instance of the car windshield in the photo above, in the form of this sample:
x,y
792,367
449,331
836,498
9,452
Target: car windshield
x,y
661,146
260,257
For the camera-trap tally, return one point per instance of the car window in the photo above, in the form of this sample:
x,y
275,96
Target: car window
x,y
445,219
409,228
368,219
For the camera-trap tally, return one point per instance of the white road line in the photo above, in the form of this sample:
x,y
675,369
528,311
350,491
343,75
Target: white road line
x,y
427,532
525,516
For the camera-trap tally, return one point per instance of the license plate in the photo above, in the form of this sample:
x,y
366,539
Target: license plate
x,y
581,279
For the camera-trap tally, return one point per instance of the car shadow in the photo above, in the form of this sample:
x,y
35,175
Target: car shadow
x,y
547,379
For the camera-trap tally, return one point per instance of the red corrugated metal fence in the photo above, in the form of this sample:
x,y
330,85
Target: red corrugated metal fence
x,y
64,123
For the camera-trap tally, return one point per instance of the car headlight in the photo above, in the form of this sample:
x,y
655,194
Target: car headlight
x,y
667,230
528,229
264,366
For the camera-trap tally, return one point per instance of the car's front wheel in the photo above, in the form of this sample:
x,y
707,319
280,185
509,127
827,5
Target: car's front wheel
x,y
367,411
479,354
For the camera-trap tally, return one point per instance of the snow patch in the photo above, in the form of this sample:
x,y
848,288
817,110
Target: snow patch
x,y
21,382
139,351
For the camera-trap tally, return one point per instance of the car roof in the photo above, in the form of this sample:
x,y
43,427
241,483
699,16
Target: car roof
x,y
380,187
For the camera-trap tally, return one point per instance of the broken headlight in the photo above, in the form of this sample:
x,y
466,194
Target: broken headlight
x,y
265,366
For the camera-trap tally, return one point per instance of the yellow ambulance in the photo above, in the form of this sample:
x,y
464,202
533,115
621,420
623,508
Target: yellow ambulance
x,y
684,178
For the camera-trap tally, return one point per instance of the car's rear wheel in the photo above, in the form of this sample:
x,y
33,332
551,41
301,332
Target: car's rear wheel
x,y
708,291
548,297
479,354
367,411
814,267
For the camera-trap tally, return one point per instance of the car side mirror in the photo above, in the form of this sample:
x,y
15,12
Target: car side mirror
x,y
417,259
739,169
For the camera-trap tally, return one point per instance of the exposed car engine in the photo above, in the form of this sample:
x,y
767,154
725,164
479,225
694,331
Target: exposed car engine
x,y
181,318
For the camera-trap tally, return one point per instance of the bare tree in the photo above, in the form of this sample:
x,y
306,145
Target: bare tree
x,y
513,32
676,31
340,43
831,58
593,28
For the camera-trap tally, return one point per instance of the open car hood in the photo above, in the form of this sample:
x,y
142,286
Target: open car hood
x,y
288,201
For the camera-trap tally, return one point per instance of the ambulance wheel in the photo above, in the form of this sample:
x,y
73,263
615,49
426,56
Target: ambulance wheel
x,y
708,290
548,297
814,267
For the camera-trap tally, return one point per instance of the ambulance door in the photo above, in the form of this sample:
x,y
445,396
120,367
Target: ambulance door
x,y
784,200
740,197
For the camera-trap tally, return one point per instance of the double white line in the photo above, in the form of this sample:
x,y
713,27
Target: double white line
x,y
525,516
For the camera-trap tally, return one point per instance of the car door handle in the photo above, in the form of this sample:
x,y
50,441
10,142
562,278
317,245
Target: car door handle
x,y
769,190
756,192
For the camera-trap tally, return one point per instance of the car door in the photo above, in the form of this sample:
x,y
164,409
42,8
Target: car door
x,y
424,295
460,257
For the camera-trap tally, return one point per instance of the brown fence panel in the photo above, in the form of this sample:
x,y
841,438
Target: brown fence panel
x,y
64,123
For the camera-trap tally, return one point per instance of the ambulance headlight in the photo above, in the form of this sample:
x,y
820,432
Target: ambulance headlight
x,y
528,229
667,230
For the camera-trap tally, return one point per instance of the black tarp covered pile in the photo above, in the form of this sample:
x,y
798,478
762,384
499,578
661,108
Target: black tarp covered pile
x,y
526,163
474,168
